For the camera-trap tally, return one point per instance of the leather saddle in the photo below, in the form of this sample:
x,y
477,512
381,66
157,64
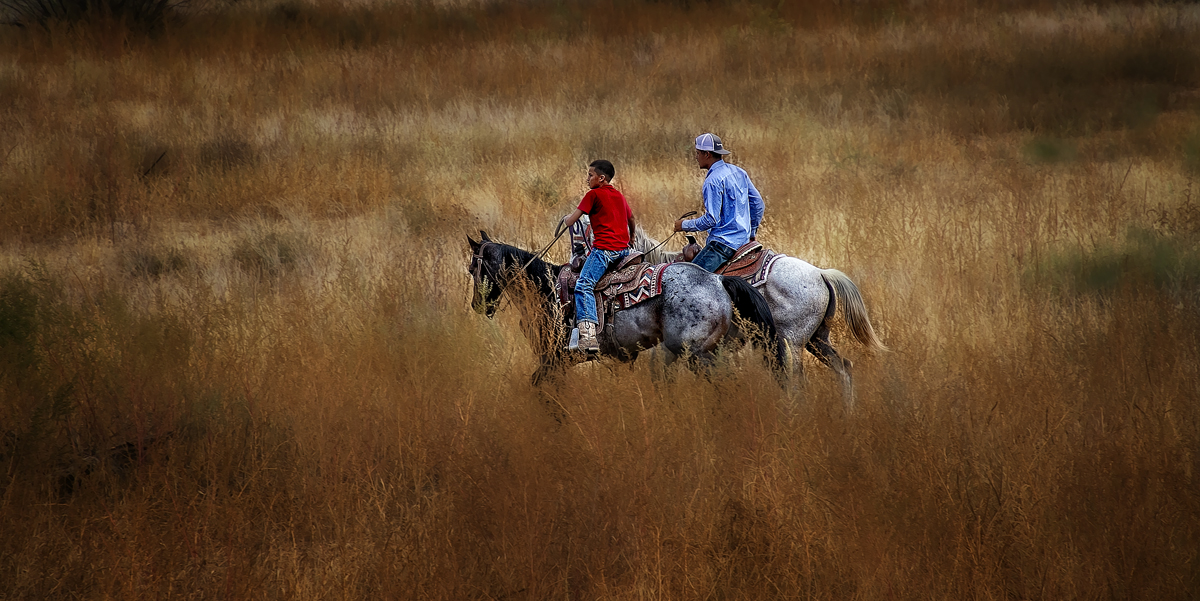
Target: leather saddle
x,y
744,261
621,278
751,261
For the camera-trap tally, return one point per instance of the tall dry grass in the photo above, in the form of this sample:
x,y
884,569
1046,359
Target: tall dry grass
x,y
237,357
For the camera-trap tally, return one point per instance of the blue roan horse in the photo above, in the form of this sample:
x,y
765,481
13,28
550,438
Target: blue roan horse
x,y
803,300
694,313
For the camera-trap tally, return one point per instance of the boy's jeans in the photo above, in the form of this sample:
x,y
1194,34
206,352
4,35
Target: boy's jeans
x,y
713,256
585,293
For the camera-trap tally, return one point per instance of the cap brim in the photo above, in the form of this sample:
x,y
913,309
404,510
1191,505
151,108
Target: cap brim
x,y
721,152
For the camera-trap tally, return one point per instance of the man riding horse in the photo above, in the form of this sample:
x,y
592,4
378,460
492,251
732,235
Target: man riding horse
x,y
733,208
802,297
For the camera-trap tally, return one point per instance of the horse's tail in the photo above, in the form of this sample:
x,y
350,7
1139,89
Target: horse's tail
x,y
751,305
853,308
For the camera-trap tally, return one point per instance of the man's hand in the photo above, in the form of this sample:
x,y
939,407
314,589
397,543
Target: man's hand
x,y
679,225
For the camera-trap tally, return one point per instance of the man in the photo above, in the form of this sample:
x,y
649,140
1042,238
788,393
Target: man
x,y
613,226
733,208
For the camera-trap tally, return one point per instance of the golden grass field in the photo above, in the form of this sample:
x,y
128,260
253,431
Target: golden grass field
x,y
237,356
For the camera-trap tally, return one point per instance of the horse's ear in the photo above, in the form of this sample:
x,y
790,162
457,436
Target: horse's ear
x,y
484,236
474,245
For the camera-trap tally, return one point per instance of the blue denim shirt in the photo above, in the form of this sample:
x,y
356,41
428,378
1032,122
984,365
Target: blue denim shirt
x,y
733,208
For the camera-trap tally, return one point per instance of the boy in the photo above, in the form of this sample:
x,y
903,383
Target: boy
x,y
612,226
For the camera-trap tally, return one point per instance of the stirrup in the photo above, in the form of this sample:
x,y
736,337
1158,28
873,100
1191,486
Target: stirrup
x,y
573,344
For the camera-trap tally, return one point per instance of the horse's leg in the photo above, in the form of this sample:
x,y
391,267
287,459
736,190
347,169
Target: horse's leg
x,y
799,302
794,370
550,368
824,352
543,372
703,363
661,360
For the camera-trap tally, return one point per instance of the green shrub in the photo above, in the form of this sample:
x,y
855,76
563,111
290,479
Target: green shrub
x,y
227,152
271,253
146,15
1191,153
1145,258
18,323
1049,150
154,262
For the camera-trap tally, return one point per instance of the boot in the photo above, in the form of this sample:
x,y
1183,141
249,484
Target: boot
x,y
587,337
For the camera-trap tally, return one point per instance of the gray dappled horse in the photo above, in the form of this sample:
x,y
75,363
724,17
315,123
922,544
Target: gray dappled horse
x,y
803,300
694,313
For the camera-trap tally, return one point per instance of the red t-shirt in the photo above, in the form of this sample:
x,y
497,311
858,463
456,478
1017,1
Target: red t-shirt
x,y
610,214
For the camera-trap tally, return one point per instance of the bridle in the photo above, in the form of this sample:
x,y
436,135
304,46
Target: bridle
x,y
477,267
478,262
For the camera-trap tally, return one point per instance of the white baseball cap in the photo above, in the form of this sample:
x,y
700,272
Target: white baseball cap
x,y
710,143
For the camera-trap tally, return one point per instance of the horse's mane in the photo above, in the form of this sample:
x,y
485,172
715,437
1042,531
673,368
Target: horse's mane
x,y
541,272
643,242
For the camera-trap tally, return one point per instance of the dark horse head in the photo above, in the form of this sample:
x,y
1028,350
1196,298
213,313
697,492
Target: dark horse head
x,y
494,266
488,274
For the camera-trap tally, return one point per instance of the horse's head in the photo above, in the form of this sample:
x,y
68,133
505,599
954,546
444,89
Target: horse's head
x,y
487,263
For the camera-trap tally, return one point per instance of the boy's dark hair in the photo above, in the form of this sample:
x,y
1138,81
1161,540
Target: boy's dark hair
x,y
604,168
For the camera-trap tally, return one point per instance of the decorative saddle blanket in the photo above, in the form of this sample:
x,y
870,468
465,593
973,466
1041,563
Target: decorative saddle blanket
x,y
752,263
632,283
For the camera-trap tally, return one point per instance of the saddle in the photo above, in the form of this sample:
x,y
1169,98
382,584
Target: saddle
x,y
632,281
751,262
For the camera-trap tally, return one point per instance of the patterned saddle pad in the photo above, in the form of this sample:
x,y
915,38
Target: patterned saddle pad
x,y
617,290
752,263
631,285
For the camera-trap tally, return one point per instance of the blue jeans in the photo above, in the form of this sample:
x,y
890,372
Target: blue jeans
x,y
714,255
585,289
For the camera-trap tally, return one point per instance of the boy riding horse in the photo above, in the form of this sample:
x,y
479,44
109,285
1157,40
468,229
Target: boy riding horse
x,y
613,226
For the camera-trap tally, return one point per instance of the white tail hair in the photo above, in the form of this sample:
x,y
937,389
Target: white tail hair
x,y
853,309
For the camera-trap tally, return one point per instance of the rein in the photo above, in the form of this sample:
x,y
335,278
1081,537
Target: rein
x,y
539,254
477,257
480,265
659,245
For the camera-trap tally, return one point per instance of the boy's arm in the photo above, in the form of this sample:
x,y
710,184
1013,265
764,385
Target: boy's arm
x,y
572,218
632,228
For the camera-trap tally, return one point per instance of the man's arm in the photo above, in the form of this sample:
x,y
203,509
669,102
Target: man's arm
x,y
712,211
756,209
